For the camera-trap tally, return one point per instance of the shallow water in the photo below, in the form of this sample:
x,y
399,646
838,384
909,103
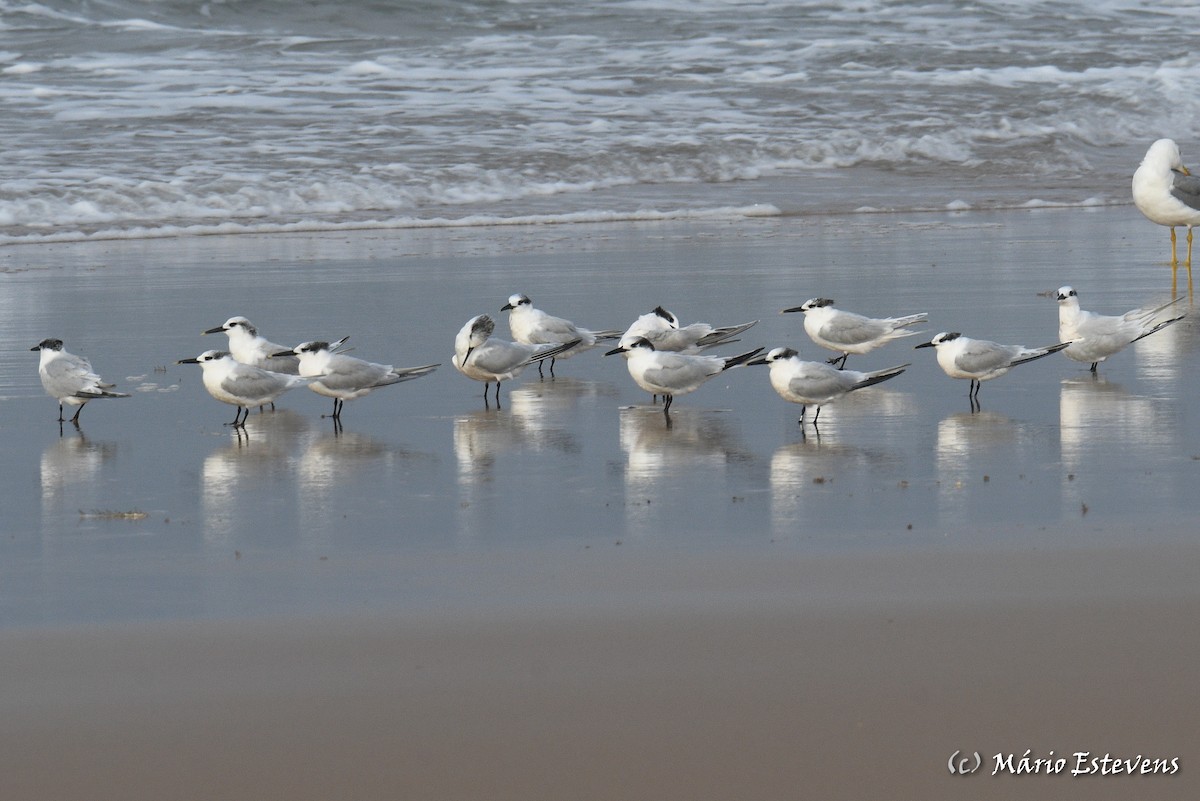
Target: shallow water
x,y
424,486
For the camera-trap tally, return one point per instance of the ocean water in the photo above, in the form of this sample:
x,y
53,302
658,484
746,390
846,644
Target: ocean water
x,y
132,119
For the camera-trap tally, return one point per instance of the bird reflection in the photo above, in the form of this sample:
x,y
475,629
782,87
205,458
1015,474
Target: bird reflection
x,y
696,441
538,417
656,455
330,463
875,410
1099,416
542,408
69,461
798,468
963,439
1159,357
256,454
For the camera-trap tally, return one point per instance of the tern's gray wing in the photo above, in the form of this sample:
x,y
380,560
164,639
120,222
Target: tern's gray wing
x,y
409,373
253,383
553,330
820,381
673,370
853,329
347,373
497,357
981,357
280,364
677,339
289,363
1186,188
68,374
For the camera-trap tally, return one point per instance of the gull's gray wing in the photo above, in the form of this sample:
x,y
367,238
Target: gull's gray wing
x,y
1186,189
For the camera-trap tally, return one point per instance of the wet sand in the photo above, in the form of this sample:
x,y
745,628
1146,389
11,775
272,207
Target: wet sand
x,y
865,691
566,599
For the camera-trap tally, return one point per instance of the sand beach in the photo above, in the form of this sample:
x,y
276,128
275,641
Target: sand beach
x,y
564,597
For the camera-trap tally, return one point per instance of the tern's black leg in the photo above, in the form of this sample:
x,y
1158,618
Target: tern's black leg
x,y
238,420
815,416
75,419
60,414
552,367
540,375
667,401
1094,366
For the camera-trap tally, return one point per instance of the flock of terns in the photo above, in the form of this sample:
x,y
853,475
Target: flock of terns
x,y
665,357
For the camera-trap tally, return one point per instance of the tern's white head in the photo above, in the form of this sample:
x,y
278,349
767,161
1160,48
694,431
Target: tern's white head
x,y
632,345
940,339
235,325
49,344
516,301
776,355
207,357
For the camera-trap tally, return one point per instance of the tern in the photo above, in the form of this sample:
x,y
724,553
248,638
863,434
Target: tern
x,y
847,332
248,347
662,329
817,383
530,326
242,385
478,356
1167,193
669,374
1095,337
980,360
344,377
69,379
